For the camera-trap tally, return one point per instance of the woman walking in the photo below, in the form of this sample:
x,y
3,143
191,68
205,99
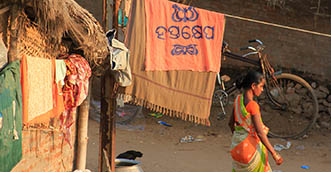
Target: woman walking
x,y
250,144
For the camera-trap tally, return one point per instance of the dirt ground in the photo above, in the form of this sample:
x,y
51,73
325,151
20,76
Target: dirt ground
x,y
163,152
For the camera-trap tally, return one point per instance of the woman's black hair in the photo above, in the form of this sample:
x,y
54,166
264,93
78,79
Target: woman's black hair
x,y
250,78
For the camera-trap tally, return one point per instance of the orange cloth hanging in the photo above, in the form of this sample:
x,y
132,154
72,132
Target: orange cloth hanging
x,y
42,97
180,37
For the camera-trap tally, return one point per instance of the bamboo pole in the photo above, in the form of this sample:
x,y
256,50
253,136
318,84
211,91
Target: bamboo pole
x,y
82,131
13,50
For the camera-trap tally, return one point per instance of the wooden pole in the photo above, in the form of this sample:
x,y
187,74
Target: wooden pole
x,y
4,10
104,12
112,123
102,126
107,124
112,102
13,51
103,129
115,13
82,131
108,104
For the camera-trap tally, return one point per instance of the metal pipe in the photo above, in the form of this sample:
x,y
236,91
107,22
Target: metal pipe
x,y
241,58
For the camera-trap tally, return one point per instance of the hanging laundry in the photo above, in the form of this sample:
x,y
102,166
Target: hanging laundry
x,y
119,60
120,16
42,97
60,73
184,94
10,116
76,81
75,89
181,37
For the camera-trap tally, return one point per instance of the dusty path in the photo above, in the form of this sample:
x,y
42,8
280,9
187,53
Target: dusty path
x,y
164,153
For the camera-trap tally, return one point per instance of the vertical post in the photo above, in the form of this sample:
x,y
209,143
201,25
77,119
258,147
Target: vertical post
x,y
111,125
103,130
82,131
104,12
13,51
112,100
115,13
108,101
107,124
104,119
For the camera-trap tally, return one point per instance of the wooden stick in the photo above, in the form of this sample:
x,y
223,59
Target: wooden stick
x,y
13,50
107,123
3,10
82,131
111,133
115,12
107,160
103,129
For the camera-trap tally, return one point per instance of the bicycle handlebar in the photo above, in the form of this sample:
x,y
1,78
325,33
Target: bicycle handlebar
x,y
249,47
255,40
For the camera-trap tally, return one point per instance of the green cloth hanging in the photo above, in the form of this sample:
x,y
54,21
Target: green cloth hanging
x,y
11,112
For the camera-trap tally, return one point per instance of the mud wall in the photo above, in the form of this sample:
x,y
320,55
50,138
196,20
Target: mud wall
x,y
45,150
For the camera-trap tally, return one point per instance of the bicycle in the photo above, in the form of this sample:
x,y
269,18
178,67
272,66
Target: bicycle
x,y
288,99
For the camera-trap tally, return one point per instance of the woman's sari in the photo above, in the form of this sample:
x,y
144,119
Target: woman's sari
x,y
247,151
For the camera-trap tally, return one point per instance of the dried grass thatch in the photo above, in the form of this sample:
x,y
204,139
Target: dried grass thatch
x,y
65,18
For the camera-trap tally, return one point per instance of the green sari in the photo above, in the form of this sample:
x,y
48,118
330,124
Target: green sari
x,y
247,151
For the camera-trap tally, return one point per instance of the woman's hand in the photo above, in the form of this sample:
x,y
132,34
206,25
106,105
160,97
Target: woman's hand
x,y
277,158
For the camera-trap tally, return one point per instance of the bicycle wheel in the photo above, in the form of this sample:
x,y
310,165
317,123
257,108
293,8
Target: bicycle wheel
x,y
290,107
219,101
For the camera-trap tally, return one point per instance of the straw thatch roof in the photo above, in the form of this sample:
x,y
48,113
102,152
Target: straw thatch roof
x,y
59,19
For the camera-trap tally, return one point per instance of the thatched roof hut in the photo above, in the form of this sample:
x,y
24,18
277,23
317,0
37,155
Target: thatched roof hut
x,y
47,29
61,25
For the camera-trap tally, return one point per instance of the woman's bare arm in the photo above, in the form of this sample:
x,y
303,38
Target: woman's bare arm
x,y
262,135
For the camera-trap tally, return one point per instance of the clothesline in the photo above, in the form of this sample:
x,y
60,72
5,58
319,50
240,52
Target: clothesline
x,y
278,25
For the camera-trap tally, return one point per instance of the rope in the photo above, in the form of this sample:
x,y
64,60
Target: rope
x,y
278,25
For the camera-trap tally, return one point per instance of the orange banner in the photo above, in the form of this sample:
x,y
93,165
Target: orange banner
x,y
181,37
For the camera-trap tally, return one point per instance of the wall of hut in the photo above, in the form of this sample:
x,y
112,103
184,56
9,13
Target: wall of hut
x,y
44,149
